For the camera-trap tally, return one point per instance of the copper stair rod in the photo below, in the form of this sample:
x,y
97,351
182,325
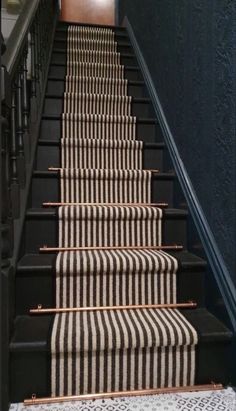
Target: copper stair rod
x,y
55,204
46,249
41,310
60,168
153,391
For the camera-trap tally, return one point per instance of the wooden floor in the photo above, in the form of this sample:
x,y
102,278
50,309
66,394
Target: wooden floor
x,y
88,11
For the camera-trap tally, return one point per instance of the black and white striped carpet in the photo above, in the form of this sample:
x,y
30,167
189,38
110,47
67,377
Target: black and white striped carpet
x,y
102,163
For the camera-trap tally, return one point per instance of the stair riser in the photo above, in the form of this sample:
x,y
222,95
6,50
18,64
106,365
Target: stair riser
x,y
120,32
51,129
55,106
60,71
120,37
42,289
51,155
62,28
46,227
122,46
30,370
61,58
47,189
57,88
60,41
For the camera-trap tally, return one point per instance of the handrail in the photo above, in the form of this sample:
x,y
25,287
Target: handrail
x,y
18,37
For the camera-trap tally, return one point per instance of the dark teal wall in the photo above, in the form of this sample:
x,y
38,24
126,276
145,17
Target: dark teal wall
x,y
190,49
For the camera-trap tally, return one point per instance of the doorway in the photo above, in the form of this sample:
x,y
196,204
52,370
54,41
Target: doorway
x,y
89,11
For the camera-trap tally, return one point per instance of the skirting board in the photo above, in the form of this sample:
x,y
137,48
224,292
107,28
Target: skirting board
x,y
215,259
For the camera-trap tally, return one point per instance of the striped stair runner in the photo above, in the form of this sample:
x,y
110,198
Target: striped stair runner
x,y
96,85
107,186
104,351
101,154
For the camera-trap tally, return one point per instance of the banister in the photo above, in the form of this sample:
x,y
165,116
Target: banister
x,y
24,71
18,37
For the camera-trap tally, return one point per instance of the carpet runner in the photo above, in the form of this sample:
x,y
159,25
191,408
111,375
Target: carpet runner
x,y
101,162
105,185
98,126
85,56
97,103
101,154
96,85
115,277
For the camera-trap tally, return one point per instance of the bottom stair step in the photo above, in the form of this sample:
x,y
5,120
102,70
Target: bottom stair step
x,y
30,352
121,350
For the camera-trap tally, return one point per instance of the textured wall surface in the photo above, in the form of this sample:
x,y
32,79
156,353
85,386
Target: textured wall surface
x,y
190,49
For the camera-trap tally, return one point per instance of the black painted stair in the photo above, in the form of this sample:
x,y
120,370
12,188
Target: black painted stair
x,y
35,274
30,352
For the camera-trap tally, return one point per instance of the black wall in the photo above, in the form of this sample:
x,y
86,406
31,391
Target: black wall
x,y
190,49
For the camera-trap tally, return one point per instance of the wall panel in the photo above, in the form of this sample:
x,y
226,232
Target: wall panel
x,y
190,49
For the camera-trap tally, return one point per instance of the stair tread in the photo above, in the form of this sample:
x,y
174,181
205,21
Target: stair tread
x,y
49,142
51,212
134,99
130,68
145,120
32,332
207,325
60,37
45,173
122,54
62,26
130,82
44,262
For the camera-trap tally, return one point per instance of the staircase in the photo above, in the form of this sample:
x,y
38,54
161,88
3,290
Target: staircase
x,y
140,276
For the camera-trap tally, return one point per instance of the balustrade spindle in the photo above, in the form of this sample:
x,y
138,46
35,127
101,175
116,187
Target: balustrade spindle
x,y
33,107
23,82
25,106
19,128
15,189
37,53
40,44
44,29
5,175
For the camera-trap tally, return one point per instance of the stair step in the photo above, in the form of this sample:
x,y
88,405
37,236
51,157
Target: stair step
x,y
36,272
44,222
43,263
147,129
123,46
54,105
130,72
61,36
56,86
59,56
62,27
45,187
49,152
30,352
